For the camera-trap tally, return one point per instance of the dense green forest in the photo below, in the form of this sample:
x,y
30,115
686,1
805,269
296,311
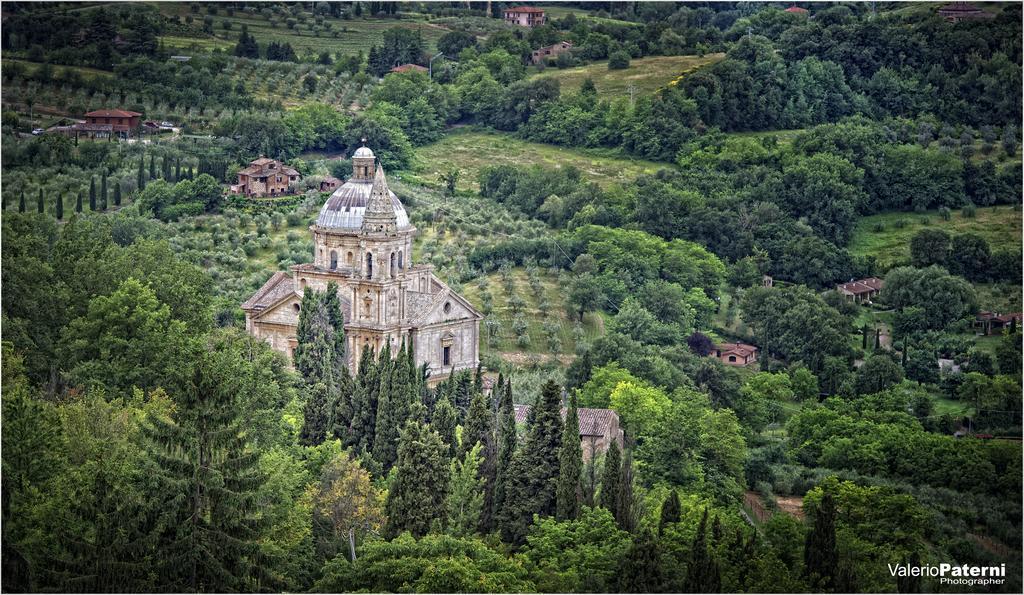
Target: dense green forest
x,y
151,445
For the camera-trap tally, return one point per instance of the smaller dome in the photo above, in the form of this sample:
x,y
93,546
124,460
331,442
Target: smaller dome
x,y
363,152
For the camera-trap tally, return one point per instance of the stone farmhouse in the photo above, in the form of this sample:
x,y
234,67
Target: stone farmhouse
x,y
524,16
598,427
265,177
363,243
551,51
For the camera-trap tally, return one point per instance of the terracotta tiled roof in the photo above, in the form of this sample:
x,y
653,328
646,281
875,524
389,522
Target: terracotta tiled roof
x,y
279,285
862,286
529,9
740,349
112,113
796,9
593,422
261,167
408,67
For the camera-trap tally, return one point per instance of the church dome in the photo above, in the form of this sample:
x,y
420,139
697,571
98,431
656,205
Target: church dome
x,y
363,152
345,208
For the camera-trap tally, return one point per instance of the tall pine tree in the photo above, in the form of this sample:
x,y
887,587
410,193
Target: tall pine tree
x,y
570,467
702,575
208,476
420,488
533,473
391,410
364,403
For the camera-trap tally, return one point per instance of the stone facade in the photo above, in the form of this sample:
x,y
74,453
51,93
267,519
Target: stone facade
x,y
363,243
598,428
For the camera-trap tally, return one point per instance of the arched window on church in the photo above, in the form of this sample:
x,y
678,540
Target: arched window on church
x,y
369,266
302,284
348,259
401,263
392,264
334,260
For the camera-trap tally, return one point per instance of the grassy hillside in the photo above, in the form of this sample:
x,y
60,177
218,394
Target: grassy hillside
x,y
469,151
540,304
304,32
647,75
887,236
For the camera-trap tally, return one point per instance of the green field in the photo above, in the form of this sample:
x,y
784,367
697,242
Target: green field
x,y
887,236
647,75
337,36
470,151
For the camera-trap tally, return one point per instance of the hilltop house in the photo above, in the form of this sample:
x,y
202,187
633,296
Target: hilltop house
x,y
954,12
106,123
409,68
862,290
551,51
993,323
736,354
265,177
524,16
598,427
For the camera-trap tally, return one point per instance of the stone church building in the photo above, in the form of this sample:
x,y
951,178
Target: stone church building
x,y
363,242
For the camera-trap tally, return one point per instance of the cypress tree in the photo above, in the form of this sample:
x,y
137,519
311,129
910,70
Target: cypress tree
x,y
60,207
625,511
610,478
390,417
478,426
640,571
417,495
506,442
165,168
533,473
314,352
864,337
3,202
103,193
209,542
141,181
92,193
443,421
479,429
78,203
117,193
570,467
670,511
21,202
152,167
177,169
878,339
702,575
820,556
315,415
466,500
364,403
39,202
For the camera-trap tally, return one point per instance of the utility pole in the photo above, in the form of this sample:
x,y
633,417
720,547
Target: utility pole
x,y
430,65
632,91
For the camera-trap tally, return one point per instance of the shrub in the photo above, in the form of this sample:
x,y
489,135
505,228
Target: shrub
x,y
618,60
969,211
